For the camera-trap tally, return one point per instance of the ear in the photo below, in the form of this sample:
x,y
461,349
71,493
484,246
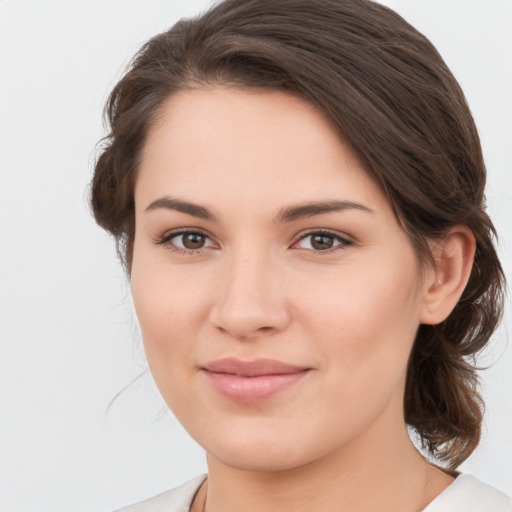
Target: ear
x,y
453,256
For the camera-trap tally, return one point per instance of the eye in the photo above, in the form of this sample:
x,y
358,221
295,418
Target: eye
x,y
322,241
186,241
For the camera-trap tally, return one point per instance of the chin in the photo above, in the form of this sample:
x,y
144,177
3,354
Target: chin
x,y
259,459
267,450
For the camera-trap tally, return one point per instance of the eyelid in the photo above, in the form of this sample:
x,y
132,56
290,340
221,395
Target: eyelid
x,y
343,239
166,238
179,231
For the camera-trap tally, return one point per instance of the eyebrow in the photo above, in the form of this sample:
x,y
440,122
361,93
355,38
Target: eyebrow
x,y
288,214
317,208
170,203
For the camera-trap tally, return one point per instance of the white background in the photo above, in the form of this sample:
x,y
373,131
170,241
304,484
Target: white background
x,y
68,336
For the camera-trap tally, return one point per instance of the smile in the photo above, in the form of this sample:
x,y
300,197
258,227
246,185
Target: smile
x,y
252,381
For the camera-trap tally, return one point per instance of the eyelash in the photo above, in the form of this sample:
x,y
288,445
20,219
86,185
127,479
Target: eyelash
x,y
342,241
166,240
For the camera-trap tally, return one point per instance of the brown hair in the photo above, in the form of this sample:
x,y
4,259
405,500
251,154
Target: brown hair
x,y
392,98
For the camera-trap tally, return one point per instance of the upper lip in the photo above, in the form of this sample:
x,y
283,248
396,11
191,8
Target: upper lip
x,y
253,368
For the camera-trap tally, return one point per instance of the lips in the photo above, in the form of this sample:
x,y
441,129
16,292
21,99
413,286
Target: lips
x,y
252,381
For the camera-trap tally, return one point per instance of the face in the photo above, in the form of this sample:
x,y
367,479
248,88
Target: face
x,y
277,295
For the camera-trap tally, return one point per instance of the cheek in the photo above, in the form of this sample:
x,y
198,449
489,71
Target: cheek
x,y
166,297
168,306
366,325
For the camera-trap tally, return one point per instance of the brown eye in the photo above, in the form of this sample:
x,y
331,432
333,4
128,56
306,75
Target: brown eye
x,y
323,242
193,240
186,241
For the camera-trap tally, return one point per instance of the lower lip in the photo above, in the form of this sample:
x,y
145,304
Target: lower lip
x,y
252,389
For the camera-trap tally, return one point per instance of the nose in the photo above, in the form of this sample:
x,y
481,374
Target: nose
x,y
251,299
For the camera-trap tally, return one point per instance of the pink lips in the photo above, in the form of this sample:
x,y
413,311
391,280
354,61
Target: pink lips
x,y
251,381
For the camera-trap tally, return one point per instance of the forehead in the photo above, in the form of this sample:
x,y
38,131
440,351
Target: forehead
x,y
248,145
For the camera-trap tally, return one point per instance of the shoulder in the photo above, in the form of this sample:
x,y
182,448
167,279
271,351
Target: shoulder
x,y
178,499
467,494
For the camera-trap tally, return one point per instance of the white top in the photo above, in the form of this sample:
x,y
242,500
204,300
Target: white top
x,y
465,494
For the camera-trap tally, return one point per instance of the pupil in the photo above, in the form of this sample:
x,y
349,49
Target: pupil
x,y
193,241
322,242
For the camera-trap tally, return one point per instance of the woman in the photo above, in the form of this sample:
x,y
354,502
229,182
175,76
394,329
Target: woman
x,y
297,192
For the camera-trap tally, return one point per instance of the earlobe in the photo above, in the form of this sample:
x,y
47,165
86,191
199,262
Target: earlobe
x,y
453,256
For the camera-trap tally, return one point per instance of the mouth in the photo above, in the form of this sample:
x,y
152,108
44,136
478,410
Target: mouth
x,y
252,381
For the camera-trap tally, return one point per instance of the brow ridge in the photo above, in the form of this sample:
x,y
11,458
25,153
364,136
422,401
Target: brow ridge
x,y
305,210
171,203
288,214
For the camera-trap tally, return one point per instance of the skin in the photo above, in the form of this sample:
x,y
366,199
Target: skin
x,y
259,287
